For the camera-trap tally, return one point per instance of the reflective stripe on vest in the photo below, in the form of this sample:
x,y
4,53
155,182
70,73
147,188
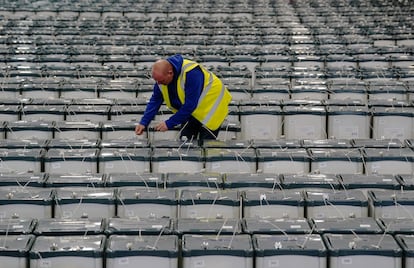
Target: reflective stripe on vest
x,y
216,104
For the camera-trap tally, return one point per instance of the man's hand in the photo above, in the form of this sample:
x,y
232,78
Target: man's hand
x,y
139,129
162,126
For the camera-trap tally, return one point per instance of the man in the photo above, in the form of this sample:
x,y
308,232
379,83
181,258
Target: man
x,y
197,97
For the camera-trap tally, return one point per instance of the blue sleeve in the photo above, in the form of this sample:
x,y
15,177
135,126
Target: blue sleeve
x,y
153,106
193,88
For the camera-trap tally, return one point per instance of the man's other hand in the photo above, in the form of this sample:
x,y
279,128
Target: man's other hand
x,y
162,126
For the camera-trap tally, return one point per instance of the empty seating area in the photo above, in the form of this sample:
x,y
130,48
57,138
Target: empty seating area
x,y
313,166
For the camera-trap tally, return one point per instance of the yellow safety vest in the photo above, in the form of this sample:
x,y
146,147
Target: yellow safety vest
x,y
212,107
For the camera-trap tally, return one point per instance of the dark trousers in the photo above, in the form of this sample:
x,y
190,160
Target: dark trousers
x,y
194,130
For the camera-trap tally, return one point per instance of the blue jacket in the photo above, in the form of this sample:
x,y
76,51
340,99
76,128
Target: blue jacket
x,y
193,88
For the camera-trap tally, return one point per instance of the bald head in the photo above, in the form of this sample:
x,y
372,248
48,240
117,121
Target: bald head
x,y
162,72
